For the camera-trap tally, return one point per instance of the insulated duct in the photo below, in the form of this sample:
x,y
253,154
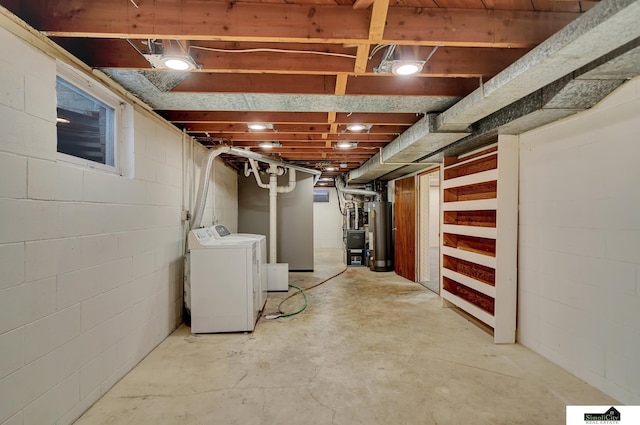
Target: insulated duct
x,y
205,175
343,189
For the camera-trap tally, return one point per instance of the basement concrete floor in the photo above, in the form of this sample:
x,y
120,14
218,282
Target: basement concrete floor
x,y
371,348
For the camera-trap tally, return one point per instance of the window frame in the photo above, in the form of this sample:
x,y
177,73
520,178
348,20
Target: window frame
x,y
94,89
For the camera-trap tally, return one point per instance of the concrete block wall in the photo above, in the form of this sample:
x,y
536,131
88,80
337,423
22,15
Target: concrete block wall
x,y
579,251
90,261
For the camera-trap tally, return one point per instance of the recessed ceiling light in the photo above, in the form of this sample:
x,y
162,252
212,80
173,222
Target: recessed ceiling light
x,y
177,64
330,168
326,179
269,145
359,127
346,145
344,165
259,126
355,127
406,67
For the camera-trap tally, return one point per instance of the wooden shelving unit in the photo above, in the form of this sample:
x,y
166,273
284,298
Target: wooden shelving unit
x,y
480,234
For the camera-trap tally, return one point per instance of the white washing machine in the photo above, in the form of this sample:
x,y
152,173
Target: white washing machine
x,y
224,289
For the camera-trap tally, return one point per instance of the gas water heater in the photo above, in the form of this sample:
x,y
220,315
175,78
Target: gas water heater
x,y
380,243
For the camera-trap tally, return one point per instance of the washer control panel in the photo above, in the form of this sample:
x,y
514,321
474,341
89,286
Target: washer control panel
x,y
219,231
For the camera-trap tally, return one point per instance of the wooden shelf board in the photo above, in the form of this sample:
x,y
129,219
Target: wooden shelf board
x,y
480,204
483,260
470,282
480,232
469,179
483,153
469,308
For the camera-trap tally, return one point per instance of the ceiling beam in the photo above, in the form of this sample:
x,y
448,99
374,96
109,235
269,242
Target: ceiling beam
x,y
325,84
248,117
203,127
362,4
458,62
179,117
257,83
229,21
362,57
341,84
364,146
300,137
416,86
397,118
378,20
320,156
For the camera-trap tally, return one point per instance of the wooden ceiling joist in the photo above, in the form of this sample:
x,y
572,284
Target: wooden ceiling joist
x,y
246,117
222,117
260,136
457,62
304,48
266,22
315,84
220,129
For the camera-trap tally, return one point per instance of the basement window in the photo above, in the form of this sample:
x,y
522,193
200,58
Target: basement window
x,y
88,116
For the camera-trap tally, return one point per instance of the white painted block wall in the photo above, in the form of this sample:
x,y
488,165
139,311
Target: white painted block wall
x,y
90,262
579,251
327,223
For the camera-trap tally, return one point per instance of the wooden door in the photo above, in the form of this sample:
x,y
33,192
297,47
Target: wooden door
x,y
404,223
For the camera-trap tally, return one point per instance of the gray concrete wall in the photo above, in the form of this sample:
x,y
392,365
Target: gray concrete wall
x,y
295,217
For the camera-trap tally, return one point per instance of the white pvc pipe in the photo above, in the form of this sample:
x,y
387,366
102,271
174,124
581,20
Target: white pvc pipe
x,y
273,218
292,182
273,208
355,226
205,175
254,168
348,226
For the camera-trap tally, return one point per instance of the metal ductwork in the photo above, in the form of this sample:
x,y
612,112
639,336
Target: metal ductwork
x,y
569,72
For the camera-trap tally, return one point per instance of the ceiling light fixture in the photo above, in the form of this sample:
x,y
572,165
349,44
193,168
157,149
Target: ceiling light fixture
x,y
359,127
330,169
257,126
168,54
269,145
346,145
344,165
399,60
406,67
355,127
178,63
326,179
